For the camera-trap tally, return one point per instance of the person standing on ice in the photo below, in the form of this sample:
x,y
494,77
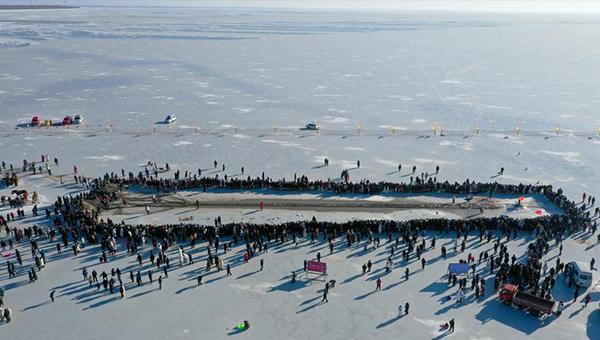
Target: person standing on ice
x,y
358,164
378,286
559,308
8,314
460,296
75,169
147,210
400,311
399,167
369,265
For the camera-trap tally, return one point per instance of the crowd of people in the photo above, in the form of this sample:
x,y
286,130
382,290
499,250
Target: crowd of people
x,y
417,184
77,222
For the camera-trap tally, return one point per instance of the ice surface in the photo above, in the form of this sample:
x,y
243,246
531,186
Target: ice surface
x,y
237,76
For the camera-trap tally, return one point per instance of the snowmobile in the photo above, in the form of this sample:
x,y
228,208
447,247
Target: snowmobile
x,y
311,126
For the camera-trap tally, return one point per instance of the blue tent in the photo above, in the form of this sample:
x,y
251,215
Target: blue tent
x,y
458,268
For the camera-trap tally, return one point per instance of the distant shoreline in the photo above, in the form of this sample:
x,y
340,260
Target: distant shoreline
x,y
16,8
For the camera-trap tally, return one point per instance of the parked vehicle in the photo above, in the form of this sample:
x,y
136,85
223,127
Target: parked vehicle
x,y
312,126
78,119
67,120
578,273
512,296
47,122
35,121
170,119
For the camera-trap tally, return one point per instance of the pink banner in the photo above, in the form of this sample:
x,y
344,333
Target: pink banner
x,y
319,267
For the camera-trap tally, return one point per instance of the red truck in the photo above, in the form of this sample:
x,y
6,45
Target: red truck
x,y
512,296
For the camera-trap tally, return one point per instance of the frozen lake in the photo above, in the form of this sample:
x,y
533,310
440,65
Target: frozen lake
x,y
256,69
262,68
236,75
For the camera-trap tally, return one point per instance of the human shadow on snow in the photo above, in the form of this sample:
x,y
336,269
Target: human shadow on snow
x,y
389,322
288,286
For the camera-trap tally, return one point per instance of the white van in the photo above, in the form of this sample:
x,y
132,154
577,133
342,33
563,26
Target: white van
x,y
579,273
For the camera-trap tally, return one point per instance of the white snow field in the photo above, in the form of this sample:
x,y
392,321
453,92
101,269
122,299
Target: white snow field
x,y
242,84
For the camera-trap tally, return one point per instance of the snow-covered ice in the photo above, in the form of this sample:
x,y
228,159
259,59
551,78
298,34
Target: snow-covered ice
x,y
242,84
